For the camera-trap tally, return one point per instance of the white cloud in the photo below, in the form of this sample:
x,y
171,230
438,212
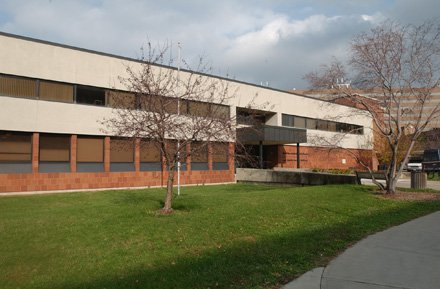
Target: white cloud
x,y
276,41
283,50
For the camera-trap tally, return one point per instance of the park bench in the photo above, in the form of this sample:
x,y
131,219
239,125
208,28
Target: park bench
x,y
368,175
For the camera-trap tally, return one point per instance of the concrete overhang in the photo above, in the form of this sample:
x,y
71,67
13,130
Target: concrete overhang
x,y
271,135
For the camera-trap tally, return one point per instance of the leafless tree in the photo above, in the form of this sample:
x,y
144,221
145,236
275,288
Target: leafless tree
x,y
329,76
172,109
431,139
395,69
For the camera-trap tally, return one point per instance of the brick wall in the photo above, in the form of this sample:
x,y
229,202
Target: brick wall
x,y
70,181
36,181
324,158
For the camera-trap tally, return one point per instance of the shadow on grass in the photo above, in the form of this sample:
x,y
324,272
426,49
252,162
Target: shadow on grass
x,y
256,263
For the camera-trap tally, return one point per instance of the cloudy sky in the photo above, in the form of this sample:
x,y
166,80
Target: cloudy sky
x,y
274,42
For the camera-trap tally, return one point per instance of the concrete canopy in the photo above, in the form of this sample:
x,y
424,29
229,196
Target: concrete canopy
x,y
271,135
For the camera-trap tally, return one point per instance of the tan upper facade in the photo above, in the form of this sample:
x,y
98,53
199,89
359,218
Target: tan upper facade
x,y
41,60
407,101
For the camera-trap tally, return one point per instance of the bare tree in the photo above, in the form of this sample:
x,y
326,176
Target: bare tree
x,y
329,76
431,139
172,109
397,69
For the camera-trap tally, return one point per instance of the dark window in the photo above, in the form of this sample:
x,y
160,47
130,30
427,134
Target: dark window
x,y
90,95
358,129
249,117
319,124
287,120
342,127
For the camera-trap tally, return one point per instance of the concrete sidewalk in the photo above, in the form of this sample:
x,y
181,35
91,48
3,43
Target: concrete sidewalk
x,y
405,256
406,183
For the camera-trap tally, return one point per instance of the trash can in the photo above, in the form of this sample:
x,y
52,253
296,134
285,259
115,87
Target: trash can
x,y
418,180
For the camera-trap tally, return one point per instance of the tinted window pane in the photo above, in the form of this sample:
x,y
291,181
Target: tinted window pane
x,y
322,125
172,148
56,91
90,149
199,152
119,99
54,148
331,126
90,95
287,120
220,152
19,87
15,147
121,150
311,123
220,111
199,108
149,152
299,122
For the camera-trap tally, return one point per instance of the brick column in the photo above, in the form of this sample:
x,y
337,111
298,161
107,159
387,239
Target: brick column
x,y
137,155
231,158
282,157
164,167
73,144
188,159
210,156
164,161
107,154
35,151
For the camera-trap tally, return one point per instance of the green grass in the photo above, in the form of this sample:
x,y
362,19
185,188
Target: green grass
x,y
231,236
434,176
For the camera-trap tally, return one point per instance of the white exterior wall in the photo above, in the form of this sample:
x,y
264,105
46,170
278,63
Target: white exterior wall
x,y
34,59
18,114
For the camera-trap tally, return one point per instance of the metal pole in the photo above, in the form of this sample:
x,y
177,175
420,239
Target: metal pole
x,y
178,114
261,154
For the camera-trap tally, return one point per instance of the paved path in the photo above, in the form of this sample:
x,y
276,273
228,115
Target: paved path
x,y
406,183
402,257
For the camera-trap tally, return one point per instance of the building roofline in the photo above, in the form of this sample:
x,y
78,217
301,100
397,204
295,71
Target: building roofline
x,y
31,39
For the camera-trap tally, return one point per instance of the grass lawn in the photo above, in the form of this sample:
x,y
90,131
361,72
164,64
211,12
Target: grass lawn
x,y
434,176
230,236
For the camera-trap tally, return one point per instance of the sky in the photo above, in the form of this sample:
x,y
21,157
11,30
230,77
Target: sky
x,y
273,43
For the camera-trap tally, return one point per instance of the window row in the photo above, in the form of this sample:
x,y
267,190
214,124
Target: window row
x,y
72,93
319,124
55,153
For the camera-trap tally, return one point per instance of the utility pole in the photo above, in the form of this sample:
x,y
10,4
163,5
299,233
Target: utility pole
x,y
178,115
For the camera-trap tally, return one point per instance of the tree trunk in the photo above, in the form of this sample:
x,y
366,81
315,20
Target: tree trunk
x,y
167,208
391,181
391,188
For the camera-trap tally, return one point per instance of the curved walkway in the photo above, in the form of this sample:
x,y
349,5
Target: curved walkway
x,y
405,256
